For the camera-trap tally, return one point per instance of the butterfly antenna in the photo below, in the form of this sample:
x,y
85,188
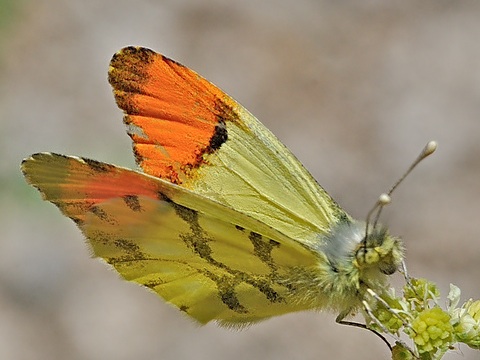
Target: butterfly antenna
x,y
385,199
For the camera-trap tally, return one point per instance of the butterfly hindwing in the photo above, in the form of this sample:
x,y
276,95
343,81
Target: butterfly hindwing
x,y
210,261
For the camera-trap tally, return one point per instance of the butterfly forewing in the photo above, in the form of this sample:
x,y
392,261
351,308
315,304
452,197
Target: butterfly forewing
x,y
189,132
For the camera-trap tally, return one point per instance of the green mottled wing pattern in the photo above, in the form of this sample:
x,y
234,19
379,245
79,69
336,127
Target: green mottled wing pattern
x,y
208,260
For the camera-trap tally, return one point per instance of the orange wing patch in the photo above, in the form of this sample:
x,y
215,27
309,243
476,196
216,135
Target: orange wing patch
x,y
174,116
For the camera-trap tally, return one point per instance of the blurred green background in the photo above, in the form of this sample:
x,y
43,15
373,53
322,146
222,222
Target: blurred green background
x,y
355,89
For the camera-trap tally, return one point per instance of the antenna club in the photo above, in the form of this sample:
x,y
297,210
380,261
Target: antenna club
x,y
384,199
430,148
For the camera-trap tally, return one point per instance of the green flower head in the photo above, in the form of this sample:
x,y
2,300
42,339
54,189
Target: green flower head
x,y
431,330
467,323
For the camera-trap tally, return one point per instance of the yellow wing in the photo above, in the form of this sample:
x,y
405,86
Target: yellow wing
x,y
191,133
208,260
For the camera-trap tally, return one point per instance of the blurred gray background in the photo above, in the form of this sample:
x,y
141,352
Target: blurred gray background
x,y
354,88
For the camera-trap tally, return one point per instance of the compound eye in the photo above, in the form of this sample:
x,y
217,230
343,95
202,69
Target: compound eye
x,y
388,269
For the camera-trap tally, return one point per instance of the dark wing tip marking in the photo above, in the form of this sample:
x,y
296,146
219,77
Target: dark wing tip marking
x,y
97,165
138,157
171,61
125,102
132,56
127,74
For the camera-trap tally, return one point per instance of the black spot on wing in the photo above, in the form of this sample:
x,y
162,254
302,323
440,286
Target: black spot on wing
x,y
219,137
263,249
132,202
266,289
225,113
162,197
226,291
274,243
127,246
102,215
188,215
130,252
229,298
197,240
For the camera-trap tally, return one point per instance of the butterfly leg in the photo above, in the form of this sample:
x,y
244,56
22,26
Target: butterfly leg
x,y
340,320
394,312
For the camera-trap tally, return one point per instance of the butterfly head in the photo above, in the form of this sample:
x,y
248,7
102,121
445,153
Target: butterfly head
x,y
372,251
378,249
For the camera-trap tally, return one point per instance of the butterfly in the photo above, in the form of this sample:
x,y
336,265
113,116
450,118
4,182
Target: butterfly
x,y
223,222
